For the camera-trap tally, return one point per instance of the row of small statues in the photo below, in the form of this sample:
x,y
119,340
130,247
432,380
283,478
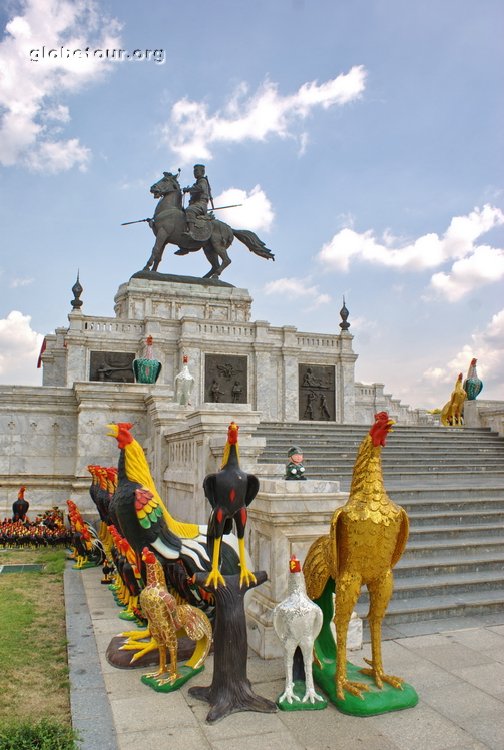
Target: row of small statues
x,y
155,562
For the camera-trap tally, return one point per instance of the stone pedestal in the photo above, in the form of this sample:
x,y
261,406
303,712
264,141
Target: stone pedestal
x,y
284,519
486,414
195,448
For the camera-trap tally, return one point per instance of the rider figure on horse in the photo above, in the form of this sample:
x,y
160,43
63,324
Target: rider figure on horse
x,y
200,194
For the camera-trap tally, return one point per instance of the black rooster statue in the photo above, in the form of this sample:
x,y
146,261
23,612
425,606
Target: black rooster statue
x,y
229,492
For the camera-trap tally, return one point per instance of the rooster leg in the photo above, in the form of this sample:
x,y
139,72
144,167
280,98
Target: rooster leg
x,y
347,592
288,694
162,662
173,674
380,591
215,577
310,695
246,576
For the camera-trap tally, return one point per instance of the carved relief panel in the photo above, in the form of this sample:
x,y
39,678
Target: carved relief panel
x,y
316,393
111,367
225,379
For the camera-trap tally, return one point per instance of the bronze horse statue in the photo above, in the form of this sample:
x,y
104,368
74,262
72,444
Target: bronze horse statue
x,y
214,236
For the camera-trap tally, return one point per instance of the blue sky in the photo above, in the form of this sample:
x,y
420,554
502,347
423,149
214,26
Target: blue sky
x,y
364,140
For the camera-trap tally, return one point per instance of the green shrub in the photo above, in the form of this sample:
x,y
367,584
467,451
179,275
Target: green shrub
x,y
44,735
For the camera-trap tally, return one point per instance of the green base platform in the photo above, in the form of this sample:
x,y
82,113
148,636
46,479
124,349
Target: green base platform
x,y
377,700
185,674
299,691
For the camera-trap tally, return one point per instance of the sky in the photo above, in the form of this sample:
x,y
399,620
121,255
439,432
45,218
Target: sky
x,y
363,139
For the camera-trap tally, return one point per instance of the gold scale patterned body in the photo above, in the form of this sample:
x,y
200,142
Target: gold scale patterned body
x,y
168,620
366,539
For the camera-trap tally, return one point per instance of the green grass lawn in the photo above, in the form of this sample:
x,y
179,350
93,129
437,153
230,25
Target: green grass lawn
x,y
35,704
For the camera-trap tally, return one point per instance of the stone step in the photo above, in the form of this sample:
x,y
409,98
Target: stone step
x,y
339,449
453,547
454,531
442,564
324,465
448,583
438,607
447,497
477,517
335,456
324,426
428,479
395,438
345,433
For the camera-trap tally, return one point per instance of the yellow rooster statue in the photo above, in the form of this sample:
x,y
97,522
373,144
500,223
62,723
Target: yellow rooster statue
x,y
167,621
366,539
452,412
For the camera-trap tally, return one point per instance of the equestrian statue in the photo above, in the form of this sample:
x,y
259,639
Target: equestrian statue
x,y
196,227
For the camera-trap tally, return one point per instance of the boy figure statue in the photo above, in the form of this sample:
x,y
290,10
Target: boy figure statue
x,y
295,468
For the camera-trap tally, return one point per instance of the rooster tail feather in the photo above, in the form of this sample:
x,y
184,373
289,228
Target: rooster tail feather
x,y
316,568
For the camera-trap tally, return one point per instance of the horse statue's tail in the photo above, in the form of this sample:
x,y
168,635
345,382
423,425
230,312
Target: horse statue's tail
x,y
252,241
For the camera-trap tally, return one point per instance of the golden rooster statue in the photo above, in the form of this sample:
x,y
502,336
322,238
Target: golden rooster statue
x,y
366,539
452,412
167,620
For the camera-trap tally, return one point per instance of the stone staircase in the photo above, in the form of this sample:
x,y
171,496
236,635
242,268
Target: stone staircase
x,y
450,482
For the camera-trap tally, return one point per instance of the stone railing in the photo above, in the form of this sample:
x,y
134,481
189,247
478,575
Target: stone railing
x,y
110,325
488,414
307,340
236,330
371,398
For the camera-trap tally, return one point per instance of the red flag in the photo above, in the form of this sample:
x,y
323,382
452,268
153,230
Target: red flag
x,y
42,350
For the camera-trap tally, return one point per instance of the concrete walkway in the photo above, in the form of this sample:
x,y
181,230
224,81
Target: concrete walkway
x,y
456,666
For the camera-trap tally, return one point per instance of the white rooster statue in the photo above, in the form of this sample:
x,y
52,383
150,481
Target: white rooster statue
x,y
297,622
184,384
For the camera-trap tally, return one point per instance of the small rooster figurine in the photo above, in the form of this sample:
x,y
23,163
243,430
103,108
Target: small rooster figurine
x,y
20,506
147,369
229,492
472,384
184,384
297,622
167,619
452,412
366,539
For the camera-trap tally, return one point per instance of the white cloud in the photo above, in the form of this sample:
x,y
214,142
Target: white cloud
x,y
19,350
473,265
58,156
488,347
485,265
192,130
255,211
293,288
364,325
59,112
19,282
31,84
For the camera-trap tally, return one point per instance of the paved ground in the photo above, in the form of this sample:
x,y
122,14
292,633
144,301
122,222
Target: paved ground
x,y
456,666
